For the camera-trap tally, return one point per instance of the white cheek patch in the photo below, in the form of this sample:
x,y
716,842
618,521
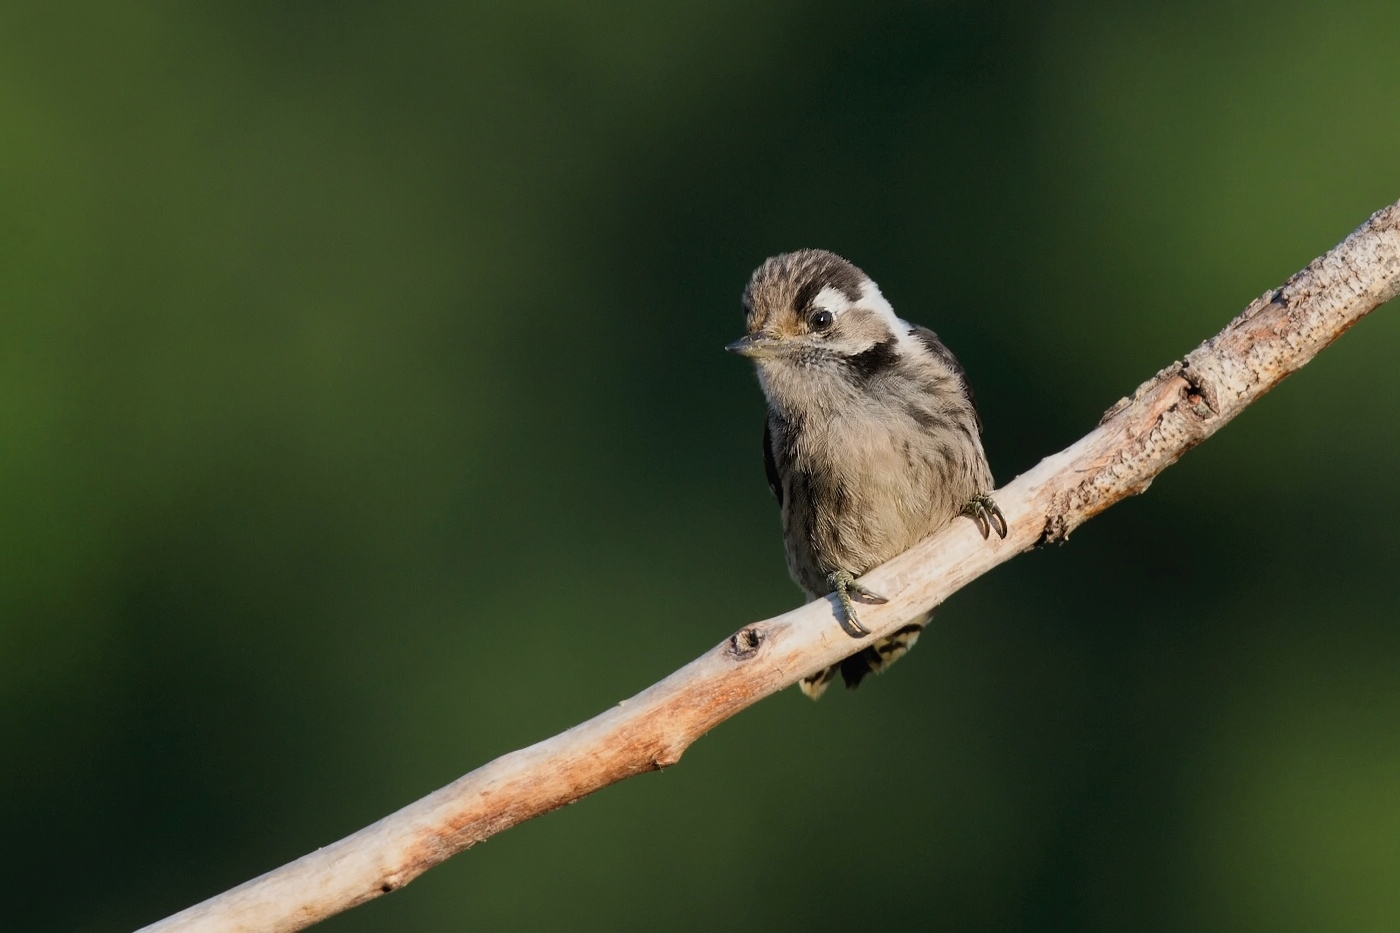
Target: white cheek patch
x,y
871,299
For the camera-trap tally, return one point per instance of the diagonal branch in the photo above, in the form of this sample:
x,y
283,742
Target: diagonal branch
x,y
1137,438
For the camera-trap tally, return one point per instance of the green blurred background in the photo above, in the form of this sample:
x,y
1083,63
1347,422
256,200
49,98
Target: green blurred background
x,y
365,417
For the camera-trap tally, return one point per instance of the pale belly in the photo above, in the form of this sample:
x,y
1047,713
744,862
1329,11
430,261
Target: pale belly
x,y
875,500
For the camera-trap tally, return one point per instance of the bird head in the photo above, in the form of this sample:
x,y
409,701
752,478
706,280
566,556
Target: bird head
x,y
813,309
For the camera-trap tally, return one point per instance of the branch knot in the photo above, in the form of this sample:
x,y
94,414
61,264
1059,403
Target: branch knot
x,y
745,643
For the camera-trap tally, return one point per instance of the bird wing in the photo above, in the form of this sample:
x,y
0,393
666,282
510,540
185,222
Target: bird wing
x,y
770,465
935,346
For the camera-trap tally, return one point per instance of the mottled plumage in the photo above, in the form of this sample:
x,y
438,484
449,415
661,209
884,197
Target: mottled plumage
x,y
872,441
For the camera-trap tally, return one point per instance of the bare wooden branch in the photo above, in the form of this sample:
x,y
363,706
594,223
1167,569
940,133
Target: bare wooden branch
x,y
1138,438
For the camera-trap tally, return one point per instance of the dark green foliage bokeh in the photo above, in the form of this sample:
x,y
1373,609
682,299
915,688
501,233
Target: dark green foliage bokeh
x,y
364,417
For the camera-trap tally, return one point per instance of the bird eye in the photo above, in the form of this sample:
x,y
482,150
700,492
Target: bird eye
x,y
820,320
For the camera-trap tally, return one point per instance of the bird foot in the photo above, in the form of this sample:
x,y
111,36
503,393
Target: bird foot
x,y
985,512
844,585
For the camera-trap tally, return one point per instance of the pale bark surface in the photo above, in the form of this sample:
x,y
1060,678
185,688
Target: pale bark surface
x,y
1138,438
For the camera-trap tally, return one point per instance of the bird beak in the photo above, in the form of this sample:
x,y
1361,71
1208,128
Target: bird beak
x,y
755,346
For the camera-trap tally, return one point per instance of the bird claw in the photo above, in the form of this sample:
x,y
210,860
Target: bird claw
x,y
985,512
843,584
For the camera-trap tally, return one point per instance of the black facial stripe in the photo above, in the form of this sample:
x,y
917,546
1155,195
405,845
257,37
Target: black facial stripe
x,y
844,277
806,295
835,273
879,359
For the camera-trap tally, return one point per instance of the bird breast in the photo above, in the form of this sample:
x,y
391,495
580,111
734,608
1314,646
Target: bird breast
x,y
864,486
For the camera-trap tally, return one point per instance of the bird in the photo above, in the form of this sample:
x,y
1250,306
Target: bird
x,y
871,441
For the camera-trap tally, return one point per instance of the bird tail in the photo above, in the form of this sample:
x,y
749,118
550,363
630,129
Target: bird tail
x,y
872,659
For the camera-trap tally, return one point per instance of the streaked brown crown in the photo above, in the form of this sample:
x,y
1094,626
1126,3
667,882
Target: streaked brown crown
x,y
780,292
